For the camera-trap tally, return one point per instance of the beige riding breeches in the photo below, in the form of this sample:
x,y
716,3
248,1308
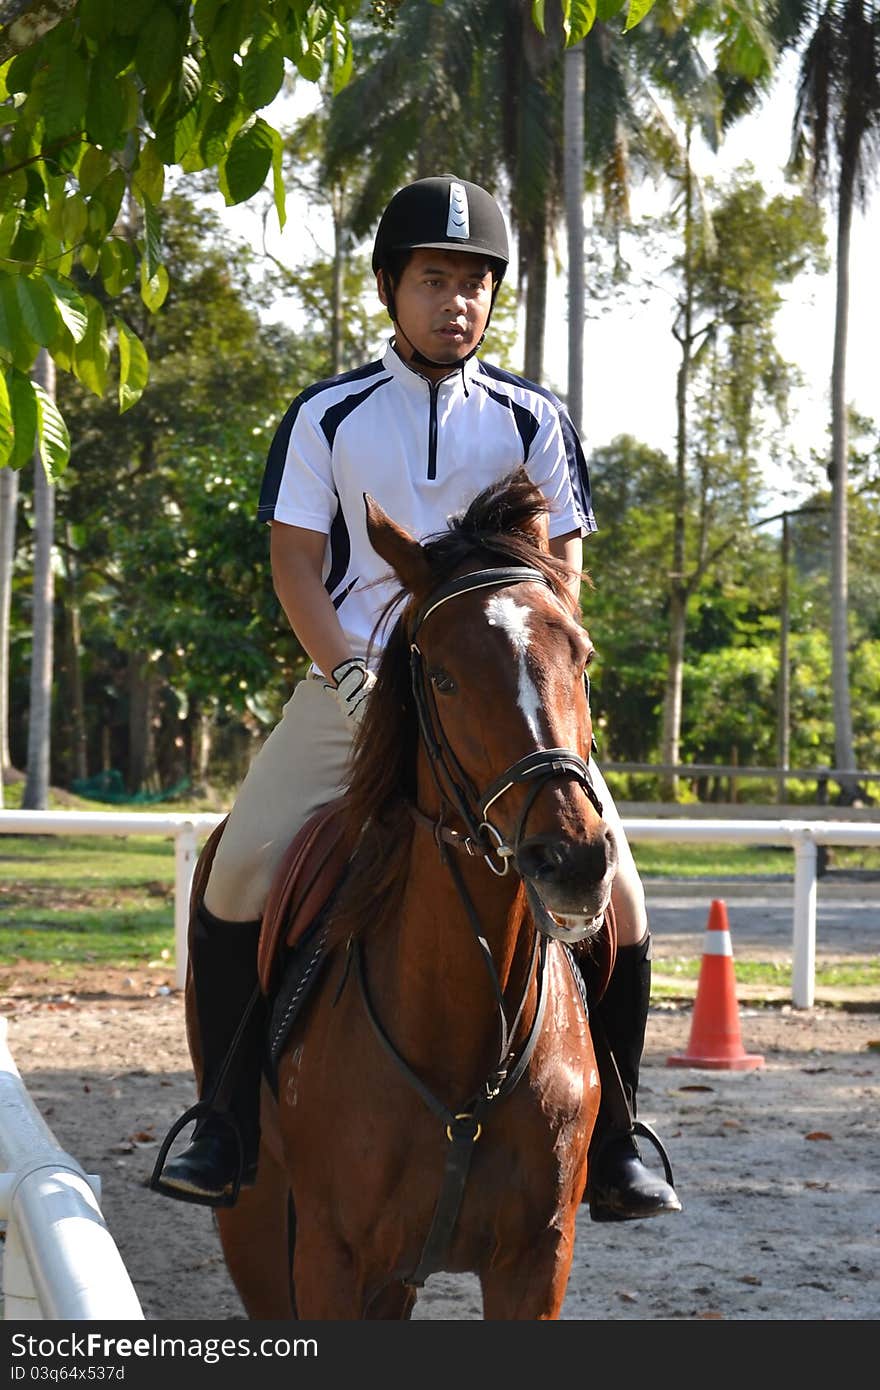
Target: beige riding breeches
x,y
302,765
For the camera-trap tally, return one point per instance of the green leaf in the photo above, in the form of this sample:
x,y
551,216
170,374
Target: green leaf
x,y
131,16
88,258
341,57
94,166
118,265
148,180
20,73
8,229
23,400
158,52
52,436
64,97
108,195
262,70
279,192
154,288
105,109
225,119
134,366
92,354
538,15
205,15
636,13
38,312
7,427
581,18
607,9
249,159
70,305
96,17
74,219
311,62
10,314
152,238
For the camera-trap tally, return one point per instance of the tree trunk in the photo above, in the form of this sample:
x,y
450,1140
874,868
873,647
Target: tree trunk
x,y
672,700
575,86
141,731
36,789
337,202
536,310
8,512
844,755
78,737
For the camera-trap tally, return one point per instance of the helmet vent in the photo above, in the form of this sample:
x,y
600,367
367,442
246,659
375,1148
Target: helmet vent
x,y
458,222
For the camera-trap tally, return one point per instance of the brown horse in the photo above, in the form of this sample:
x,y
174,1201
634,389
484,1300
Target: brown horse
x,y
433,1109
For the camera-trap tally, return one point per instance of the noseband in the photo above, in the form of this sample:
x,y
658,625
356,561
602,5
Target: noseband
x,y
452,781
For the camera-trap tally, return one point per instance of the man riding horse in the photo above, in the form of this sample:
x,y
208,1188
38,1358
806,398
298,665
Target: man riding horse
x,y
422,430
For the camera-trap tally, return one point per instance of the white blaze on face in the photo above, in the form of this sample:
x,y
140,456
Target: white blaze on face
x,y
504,612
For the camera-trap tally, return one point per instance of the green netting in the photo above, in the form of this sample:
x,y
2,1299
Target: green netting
x,y
109,787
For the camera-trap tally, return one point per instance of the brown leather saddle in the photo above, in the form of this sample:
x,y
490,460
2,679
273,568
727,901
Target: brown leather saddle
x,y
312,867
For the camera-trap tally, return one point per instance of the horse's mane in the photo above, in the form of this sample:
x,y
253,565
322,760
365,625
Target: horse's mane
x,y
496,529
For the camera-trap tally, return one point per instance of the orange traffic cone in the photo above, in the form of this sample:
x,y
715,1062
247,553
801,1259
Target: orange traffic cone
x,y
715,1040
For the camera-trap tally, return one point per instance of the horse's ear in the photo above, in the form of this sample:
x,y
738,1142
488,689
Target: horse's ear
x,y
401,550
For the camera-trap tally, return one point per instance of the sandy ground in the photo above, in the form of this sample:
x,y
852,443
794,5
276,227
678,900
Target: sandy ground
x,y
778,1168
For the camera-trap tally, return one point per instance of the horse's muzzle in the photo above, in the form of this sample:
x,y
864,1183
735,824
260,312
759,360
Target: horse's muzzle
x,y
568,884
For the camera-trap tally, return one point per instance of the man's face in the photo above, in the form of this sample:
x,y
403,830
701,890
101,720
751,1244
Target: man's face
x,y
442,304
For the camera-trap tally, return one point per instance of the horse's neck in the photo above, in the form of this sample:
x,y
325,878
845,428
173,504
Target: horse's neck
x,y
434,972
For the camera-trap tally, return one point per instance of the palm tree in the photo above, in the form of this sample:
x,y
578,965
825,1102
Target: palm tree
x,y
36,790
836,141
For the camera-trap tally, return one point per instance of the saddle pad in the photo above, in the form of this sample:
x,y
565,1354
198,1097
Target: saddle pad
x,y
312,866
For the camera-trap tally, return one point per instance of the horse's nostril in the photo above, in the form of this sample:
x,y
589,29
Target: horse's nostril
x,y
537,861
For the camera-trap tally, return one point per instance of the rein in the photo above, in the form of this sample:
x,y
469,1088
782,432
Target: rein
x,y
464,1126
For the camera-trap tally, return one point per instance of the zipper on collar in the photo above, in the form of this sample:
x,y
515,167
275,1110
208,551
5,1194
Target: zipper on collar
x,y
433,388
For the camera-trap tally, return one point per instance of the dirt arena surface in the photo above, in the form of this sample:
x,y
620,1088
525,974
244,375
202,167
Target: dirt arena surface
x,y
778,1168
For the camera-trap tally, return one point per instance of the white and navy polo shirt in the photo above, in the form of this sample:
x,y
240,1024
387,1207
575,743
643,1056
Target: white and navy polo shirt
x,y
423,450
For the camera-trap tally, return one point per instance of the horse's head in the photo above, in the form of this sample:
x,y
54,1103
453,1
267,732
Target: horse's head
x,y
498,661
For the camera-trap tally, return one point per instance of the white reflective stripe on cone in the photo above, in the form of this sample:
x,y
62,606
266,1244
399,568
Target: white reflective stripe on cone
x,y
717,943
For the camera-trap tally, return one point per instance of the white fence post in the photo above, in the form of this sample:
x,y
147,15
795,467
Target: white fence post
x,y
185,856
61,1262
803,960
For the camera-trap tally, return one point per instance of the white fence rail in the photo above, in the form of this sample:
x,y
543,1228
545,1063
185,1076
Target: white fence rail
x,y
60,1260
803,837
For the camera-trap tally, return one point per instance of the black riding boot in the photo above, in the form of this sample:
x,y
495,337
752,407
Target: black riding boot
x,y
222,1154
619,1186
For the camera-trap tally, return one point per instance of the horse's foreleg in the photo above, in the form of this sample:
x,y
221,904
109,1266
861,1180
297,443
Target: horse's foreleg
x,y
331,1288
530,1286
393,1303
257,1237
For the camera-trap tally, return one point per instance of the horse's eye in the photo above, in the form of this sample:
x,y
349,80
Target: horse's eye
x,y
442,681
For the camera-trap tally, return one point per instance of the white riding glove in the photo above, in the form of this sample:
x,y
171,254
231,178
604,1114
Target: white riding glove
x,y
353,684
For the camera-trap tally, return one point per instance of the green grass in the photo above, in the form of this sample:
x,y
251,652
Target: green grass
x,y
78,900
859,973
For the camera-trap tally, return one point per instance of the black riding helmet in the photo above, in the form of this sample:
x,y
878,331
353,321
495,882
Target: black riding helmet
x,y
443,213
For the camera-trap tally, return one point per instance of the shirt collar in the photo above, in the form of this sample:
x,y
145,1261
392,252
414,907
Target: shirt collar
x,y
411,377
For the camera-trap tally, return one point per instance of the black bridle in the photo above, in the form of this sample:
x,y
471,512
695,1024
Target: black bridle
x,y
463,1126
452,781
